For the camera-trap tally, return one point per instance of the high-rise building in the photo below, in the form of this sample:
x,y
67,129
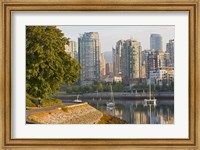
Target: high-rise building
x,y
131,60
117,58
102,65
114,61
143,70
89,51
156,42
170,50
150,58
71,49
163,59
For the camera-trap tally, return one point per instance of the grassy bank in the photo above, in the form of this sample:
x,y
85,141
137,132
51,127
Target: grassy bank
x,y
33,102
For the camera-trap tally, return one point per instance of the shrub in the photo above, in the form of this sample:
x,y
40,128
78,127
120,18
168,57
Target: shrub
x,y
29,103
64,108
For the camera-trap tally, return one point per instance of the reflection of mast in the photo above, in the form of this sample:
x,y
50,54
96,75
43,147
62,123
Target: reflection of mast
x,y
112,95
167,114
111,103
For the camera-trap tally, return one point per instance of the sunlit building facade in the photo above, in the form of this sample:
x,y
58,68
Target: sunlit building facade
x,y
71,49
131,61
102,65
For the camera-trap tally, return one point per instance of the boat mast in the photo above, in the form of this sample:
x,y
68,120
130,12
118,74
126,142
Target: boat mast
x,y
150,88
112,98
97,98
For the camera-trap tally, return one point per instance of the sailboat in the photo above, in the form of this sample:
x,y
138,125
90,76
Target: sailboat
x,y
150,101
77,100
111,103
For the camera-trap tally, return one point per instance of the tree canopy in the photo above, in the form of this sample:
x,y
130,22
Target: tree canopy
x,y
48,66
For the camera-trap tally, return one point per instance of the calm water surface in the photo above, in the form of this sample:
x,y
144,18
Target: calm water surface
x,y
134,111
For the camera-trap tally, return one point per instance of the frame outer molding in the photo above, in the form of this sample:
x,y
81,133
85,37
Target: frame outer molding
x,y
195,82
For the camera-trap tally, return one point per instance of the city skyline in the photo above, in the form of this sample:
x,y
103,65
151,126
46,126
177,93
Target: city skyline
x,y
109,35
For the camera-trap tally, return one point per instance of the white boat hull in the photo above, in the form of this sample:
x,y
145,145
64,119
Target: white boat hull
x,y
110,104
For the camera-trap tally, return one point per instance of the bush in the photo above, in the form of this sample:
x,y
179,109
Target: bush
x,y
29,103
64,108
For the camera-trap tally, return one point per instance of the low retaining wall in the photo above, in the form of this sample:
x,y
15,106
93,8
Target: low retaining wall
x,y
74,114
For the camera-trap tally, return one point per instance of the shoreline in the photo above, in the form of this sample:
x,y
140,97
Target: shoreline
x,y
74,114
121,96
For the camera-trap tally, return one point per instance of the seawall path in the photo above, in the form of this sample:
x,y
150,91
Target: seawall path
x,y
74,114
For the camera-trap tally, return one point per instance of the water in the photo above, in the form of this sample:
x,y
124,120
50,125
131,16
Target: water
x,y
134,112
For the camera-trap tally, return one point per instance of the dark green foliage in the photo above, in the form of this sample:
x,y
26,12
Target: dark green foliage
x,y
107,87
100,87
47,64
31,101
118,87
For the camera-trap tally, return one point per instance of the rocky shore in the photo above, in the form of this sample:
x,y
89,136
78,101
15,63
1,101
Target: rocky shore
x,y
75,114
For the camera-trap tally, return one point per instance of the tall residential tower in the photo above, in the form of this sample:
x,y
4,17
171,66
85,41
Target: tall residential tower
x,y
156,42
131,61
170,50
117,58
89,57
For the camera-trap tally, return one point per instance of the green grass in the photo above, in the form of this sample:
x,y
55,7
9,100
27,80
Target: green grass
x,y
50,102
33,102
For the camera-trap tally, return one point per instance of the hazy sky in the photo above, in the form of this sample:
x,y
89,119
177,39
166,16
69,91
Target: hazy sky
x,y
109,35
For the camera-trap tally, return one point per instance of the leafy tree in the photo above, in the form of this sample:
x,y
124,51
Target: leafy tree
x,y
47,63
118,87
106,87
100,87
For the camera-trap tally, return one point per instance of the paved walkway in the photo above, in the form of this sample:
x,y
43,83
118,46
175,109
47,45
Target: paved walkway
x,y
33,111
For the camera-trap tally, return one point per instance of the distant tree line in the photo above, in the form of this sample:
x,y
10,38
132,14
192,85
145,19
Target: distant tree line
x,y
100,87
116,87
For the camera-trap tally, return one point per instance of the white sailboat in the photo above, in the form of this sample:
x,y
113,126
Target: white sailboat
x,y
111,103
77,100
150,101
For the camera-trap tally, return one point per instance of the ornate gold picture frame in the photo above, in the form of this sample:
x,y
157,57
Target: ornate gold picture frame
x,y
7,7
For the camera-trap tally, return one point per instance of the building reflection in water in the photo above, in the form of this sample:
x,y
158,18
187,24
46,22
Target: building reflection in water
x,y
134,112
